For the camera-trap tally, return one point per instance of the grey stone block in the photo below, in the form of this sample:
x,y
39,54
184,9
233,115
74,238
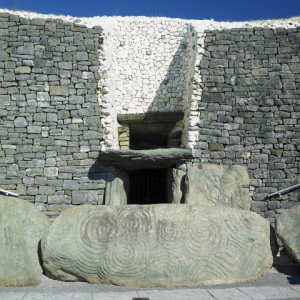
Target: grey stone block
x,y
259,158
20,122
70,185
59,199
27,49
85,197
51,172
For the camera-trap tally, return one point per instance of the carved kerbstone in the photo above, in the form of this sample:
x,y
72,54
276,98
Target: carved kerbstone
x,y
288,230
157,245
21,229
219,185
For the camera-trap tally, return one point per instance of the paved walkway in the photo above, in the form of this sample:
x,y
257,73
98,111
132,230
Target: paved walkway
x,y
282,282
243,293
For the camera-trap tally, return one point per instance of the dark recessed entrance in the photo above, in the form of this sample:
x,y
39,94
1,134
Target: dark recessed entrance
x,y
148,186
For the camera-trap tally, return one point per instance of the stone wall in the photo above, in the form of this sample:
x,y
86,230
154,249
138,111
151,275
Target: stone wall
x,y
49,112
63,83
249,109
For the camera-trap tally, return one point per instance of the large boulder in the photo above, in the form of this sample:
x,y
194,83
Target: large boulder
x,y
157,245
288,230
21,229
218,185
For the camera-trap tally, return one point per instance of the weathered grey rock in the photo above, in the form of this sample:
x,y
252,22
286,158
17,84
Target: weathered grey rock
x,y
287,229
117,190
157,245
176,182
218,185
139,159
21,229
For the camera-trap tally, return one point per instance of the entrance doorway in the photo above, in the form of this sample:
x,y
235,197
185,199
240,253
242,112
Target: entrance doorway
x,y
148,186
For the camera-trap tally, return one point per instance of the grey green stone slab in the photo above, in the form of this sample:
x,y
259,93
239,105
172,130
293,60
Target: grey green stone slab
x,y
117,190
157,245
145,159
21,229
218,185
288,230
176,185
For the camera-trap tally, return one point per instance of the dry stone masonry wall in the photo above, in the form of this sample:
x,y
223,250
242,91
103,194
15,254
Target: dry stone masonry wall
x,y
250,113
63,81
49,114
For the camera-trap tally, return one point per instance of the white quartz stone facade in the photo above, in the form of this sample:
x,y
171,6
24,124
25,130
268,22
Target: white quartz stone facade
x,y
149,69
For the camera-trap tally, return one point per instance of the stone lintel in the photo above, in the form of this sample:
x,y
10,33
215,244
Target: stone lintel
x,y
145,159
165,117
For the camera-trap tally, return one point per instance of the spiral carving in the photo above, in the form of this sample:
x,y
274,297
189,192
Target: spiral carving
x,y
168,232
204,241
157,245
124,259
134,222
96,231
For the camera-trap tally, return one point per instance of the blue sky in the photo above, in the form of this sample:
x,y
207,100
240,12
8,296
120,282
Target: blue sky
x,y
220,10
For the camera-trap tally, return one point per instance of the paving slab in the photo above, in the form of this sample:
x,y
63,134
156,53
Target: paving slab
x,y
269,292
178,294
296,287
57,296
11,296
228,294
115,296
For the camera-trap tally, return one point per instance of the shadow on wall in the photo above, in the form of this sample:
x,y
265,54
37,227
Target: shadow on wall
x,y
172,95
173,92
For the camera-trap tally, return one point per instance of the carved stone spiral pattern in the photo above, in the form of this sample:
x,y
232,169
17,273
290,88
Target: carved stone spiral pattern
x,y
168,232
124,259
201,240
159,245
96,230
134,222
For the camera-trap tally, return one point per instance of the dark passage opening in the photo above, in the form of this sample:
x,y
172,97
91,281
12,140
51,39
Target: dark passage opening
x,y
149,136
148,186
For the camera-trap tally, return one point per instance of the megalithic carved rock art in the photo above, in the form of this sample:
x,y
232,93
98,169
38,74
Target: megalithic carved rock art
x,y
158,245
21,229
214,185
